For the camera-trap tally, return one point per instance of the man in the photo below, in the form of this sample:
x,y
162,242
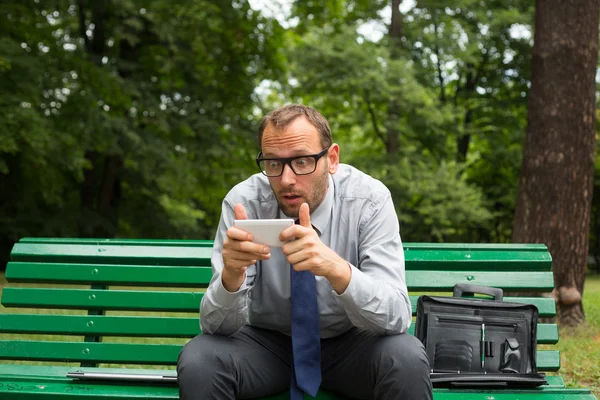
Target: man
x,y
336,318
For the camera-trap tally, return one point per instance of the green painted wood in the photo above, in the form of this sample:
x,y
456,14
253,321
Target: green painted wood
x,y
88,391
99,325
32,382
130,275
546,306
22,389
101,299
454,257
148,301
144,326
200,276
530,247
128,242
111,254
514,281
500,394
159,354
117,353
419,256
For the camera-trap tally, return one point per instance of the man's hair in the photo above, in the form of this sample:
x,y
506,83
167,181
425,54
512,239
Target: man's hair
x,y
284,116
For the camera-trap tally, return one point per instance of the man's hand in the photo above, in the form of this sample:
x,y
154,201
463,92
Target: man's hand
x,y
239,252
307,252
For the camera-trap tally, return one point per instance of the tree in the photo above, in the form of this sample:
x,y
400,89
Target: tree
x,y
127,118
556,182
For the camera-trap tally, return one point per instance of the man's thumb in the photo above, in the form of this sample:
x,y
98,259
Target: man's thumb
x,y
240,212
304,215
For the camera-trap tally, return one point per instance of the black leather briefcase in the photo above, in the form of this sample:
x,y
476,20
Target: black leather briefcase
x,y
479,342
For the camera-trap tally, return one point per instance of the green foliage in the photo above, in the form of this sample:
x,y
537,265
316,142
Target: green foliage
x,y
436,203
353,80
146,106
134,118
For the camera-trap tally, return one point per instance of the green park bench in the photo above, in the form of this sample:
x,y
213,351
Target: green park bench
x,y
87,304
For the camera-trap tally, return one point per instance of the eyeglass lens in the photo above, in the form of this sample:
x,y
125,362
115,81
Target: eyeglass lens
x,y
300,166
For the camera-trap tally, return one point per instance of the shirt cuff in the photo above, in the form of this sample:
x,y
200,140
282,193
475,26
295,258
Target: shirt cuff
x,y
227,299
358,291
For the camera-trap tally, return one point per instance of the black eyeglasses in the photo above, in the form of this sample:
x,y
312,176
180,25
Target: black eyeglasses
x,y
301,165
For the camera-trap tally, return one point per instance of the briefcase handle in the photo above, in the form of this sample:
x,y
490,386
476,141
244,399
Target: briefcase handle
x,y
465,289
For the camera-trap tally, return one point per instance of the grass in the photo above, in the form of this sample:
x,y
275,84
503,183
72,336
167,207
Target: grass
x,y
580,348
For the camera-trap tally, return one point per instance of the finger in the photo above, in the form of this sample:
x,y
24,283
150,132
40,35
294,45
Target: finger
x,y
302,266
304,214
237,234
297,258
232,254
238,240
240,212
292,247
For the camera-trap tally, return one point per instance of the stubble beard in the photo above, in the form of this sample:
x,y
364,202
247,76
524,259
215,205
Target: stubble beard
x,y
318,195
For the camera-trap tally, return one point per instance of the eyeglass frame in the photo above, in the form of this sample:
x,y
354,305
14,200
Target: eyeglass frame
x,y
288,161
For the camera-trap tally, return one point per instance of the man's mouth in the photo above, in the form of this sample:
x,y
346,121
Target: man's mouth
x,y
291,196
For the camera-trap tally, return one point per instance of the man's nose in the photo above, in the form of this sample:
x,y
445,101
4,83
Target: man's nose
x,y
288,177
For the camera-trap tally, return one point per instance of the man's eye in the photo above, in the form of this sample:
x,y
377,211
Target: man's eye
x,y
272,164
301,162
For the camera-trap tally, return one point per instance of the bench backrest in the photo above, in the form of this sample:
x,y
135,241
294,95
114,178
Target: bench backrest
x,y
136,301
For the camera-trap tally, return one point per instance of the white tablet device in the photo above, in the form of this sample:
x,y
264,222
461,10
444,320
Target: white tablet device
x,y
265,231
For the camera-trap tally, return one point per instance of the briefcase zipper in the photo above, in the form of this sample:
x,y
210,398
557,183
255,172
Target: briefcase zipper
x,y
463,320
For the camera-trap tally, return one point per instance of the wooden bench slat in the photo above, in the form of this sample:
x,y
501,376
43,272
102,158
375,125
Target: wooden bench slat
x,y
124,242
146,301
432,247
111,254
157,354
476,259
130,275
512,394
546,306
200,276
418,256
119,353
94,299
145,326
29,379
17,388
99,325
65,390
535,281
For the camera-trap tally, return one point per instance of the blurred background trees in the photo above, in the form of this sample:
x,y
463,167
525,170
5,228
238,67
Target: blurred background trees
x,y
133,118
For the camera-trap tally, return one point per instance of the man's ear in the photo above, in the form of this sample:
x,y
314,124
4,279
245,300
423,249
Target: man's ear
x,y
334,158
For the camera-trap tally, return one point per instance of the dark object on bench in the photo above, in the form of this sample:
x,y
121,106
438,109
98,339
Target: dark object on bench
x,y
474,341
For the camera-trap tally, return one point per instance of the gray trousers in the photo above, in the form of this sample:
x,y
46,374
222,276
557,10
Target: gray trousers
x,y
256,363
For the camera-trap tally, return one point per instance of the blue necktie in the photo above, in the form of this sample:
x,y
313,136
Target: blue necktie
x,y
306,338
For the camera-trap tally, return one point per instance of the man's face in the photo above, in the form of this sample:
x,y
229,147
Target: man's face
x,y
298,139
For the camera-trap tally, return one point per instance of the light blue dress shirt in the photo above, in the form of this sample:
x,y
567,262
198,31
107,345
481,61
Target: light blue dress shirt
x,y
358,221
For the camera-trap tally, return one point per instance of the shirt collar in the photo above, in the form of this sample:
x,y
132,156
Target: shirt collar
x,y
320,217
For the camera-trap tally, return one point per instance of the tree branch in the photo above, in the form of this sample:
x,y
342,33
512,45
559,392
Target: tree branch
x,y
82,27
374,118
436,51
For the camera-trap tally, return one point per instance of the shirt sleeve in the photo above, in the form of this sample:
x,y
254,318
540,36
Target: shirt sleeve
x,y
376,298
223,312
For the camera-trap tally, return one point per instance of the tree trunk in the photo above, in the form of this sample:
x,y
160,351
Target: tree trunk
x,y
393,128
100,190
556,183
